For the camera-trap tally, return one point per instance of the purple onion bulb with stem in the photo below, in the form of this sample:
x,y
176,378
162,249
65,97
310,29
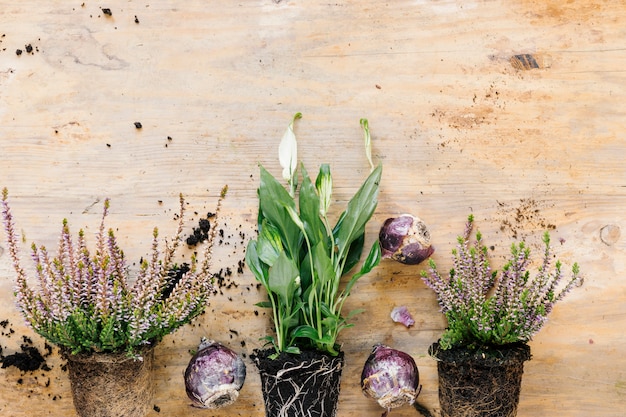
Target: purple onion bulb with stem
x,y
214,376
405,239
390,377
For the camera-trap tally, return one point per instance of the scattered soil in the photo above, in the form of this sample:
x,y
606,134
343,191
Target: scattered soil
x,y
28,49
525,217
200,234
29,358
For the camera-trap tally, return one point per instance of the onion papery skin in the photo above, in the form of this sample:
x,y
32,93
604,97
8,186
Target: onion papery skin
x,y
390,377
405,239
214,376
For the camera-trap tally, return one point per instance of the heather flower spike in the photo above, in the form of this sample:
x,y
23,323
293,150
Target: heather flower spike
x,y
487,308
288,155
88,302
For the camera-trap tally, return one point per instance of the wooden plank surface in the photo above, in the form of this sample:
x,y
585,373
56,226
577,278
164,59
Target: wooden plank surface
x,y
458,126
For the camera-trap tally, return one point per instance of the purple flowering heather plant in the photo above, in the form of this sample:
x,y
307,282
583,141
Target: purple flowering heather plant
x,y
91,302
484,309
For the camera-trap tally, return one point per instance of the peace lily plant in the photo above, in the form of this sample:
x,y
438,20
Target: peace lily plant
x,y
300,257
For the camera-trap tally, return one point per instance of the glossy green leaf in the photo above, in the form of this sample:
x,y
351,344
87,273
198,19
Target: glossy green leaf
x,y
358,212
309,203
264,304
324,187
269,243
323,265
373,259
254,263
273,200
282,277
305,331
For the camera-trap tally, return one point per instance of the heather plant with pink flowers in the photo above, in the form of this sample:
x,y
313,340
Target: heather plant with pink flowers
x,y
487,309
90,301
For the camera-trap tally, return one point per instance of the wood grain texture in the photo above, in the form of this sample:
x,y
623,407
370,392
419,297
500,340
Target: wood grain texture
x,y
457,127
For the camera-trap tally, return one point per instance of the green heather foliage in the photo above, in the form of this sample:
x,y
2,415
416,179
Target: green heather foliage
x,y
484,309
300,258
90,302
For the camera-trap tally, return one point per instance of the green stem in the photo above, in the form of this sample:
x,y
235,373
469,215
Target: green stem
x,y
277,323
329,285
318,313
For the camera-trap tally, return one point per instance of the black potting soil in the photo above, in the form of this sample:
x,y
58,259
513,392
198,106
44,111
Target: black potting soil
x,y
296,385
480,383
28,359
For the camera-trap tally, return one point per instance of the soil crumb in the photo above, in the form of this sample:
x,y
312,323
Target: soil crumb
x,y
28,359
518,221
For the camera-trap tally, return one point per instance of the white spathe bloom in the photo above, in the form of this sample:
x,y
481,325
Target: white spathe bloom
x,y
288,151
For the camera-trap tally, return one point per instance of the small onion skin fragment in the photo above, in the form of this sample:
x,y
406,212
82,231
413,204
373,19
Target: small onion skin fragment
x,y
390,377
214,376
401,315
405,239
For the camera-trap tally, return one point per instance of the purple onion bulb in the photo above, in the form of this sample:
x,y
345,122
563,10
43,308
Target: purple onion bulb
x,y
390,377
405,239
214,376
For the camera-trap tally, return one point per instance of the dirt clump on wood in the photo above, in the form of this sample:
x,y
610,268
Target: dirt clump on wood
x,y
28,359
518,220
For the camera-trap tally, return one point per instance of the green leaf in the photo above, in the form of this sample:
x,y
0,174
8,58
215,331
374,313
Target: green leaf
x,y
330,322
293,349
326,311
254,263
373,259
324,187
323,265
305,332
360,208
269,243
309,203
264,304
282,277
354,253
273,203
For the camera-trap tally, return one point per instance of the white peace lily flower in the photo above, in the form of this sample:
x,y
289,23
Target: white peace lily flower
x,y
288,151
